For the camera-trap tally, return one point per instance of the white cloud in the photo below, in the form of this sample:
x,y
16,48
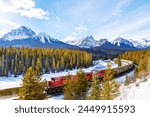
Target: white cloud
x,y
69,37
76,34
128,29
118,9
8,22
34,13
6,25
24,8
81,29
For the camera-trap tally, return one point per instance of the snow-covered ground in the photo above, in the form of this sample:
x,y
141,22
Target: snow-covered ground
x,y
12,97
140,90
58,97
11,81
120,79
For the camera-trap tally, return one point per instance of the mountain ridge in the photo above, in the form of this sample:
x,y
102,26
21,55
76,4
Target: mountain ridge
x,y
115,42
24,36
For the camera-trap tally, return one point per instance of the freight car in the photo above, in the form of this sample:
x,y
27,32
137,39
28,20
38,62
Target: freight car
x,y
55,85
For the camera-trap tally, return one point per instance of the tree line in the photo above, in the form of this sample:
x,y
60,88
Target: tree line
x,y
141,58
16,60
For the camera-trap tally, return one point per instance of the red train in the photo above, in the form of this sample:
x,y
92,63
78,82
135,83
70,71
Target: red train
x,y
56,84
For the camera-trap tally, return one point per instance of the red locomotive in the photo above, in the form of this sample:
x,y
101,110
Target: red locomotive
x,y
56,84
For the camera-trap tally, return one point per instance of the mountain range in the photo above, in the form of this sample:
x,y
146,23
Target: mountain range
x,y
116,43
24,36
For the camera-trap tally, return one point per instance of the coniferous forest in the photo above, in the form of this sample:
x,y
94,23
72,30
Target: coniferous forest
x,y
16,60
141,58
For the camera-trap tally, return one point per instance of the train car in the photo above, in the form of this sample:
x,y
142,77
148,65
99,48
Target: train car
x,y
101,73
56,84
88,75
122,69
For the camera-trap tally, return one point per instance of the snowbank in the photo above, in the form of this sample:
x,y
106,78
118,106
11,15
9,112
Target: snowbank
x,y
140,90
10,82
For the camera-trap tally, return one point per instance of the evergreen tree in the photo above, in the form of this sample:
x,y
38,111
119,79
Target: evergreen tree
x,y
17,60
47,68
53,65
141,58
109,73
76,89
110,88
38,67
81,85
119,61
69,88
32,87
142,68
95,88
127,81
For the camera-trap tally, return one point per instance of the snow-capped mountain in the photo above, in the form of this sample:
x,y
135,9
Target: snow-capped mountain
x,y
145,43
104,43
24,36
137,44
86,42
121,42
90,42
45,38
116,43
19,33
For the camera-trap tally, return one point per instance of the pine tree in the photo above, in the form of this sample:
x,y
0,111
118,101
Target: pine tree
x,y
3,65
110,88
76,89
127,81
47,68
95,88
109,73
142,68
17,60
69,88
53,65
119,61
32,87
81,85
38,67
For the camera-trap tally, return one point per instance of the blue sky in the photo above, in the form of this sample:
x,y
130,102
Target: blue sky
x,y
74,19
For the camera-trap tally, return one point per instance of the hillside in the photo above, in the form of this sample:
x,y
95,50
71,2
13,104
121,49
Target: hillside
x,y
138,90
